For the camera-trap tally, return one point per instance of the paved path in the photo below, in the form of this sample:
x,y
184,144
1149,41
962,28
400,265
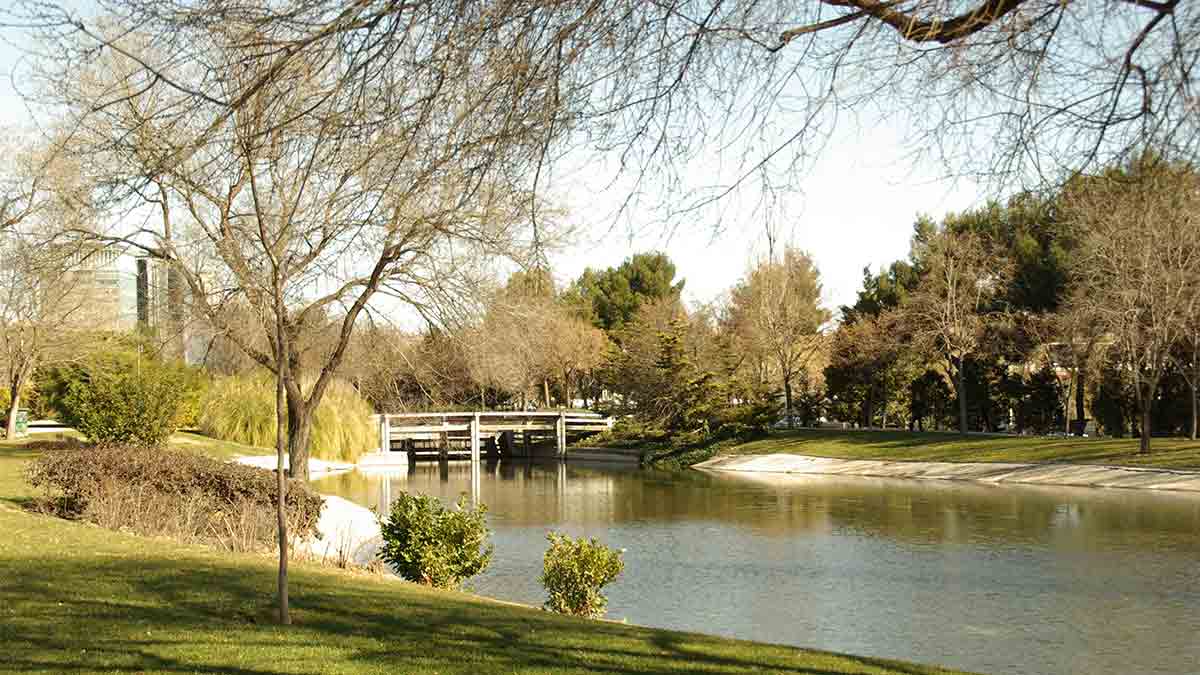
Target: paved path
x,y
1080,475
315,466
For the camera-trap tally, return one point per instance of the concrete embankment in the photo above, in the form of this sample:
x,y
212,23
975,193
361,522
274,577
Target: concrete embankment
x,y
1077,475
348,532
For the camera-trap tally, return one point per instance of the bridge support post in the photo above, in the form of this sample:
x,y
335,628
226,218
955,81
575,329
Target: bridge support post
x,y
475,463
560,429
385,435
444,443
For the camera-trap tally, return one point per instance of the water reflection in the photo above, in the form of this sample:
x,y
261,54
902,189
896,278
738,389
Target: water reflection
x,y
995,579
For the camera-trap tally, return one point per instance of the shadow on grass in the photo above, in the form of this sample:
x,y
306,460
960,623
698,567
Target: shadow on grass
x,y
204,614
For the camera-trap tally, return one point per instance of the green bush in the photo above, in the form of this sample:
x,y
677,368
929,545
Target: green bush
x,y
574,571
113,356
242,409
425,542
160,491
139,408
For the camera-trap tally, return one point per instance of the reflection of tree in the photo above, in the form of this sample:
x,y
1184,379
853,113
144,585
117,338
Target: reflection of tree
x,y
787,505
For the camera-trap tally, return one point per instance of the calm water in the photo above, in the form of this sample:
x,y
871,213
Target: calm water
x,y
992,579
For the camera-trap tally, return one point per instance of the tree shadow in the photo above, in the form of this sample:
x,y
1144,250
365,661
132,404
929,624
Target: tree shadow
x,y
203,613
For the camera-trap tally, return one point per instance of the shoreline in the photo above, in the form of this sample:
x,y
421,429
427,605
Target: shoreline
x,y
996,473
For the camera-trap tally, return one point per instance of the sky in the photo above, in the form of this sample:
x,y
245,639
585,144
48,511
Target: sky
x,y
853,207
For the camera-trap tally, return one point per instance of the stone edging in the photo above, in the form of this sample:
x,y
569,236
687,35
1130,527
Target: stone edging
x,y
1076,475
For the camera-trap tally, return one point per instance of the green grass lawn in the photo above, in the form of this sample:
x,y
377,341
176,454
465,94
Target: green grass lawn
x,y
77,598
1171,453
214,447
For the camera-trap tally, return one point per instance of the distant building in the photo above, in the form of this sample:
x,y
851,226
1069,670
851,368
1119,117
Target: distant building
x,y
96,283
161,301
159,294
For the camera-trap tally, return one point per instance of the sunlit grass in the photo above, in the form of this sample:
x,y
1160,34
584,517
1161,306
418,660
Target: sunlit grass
x,y
77,598
1176,453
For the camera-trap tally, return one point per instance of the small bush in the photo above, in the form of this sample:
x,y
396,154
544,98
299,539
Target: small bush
x,y
430,544
573,573
169,492
139,408
242,409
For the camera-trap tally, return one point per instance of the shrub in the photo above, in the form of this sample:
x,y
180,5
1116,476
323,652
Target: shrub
x,y
139,408
116,358
242,409
170,492
425,542
573,573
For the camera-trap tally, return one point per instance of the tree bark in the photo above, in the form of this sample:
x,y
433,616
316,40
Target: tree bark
x,y
15,386
299,429
1192,385
1144,445
1079,396
14,406
787,402
281,500
961,387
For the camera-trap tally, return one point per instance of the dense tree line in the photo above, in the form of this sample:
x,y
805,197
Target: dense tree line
x,y
1035,314
620,340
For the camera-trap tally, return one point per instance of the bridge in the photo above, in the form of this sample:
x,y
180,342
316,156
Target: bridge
x,y
444,435
405,438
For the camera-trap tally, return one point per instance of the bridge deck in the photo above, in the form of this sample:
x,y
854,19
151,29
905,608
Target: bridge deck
x,y
463,432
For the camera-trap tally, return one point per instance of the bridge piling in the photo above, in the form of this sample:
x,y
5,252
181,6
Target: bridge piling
x,y
475,463
560,434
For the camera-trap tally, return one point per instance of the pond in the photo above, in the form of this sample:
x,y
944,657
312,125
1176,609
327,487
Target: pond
x,y
979,577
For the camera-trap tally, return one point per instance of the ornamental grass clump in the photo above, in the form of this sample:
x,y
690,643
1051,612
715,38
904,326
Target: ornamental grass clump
x,y
430,544
574,571
241,409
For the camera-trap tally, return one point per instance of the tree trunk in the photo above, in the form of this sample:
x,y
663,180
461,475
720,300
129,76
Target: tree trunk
x,y
1195,381
961,390
787,402
281,501
546,390
1079,382
299,429
15,405
1144,445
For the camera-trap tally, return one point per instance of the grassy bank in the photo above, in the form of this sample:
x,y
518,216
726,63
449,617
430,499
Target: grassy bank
x,y
1169,453
78,598
214,447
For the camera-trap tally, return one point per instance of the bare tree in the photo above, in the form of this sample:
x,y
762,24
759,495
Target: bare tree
x,y
45,310
1140,257
777,312
298,204
1187,362
950,310
1073,340
572,347
1013,90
